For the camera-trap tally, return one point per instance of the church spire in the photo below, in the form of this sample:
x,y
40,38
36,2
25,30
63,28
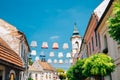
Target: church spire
x,y
75,32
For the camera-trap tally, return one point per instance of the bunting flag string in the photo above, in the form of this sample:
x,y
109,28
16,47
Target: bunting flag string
x,y
60,61
51,55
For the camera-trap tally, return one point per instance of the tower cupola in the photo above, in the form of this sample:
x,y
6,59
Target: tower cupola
x,y
75,32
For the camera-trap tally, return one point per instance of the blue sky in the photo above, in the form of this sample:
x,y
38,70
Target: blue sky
x,y
48,20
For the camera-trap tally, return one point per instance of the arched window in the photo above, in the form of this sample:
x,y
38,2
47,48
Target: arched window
x,y
30,74
77,43
2,72
36,76
12,76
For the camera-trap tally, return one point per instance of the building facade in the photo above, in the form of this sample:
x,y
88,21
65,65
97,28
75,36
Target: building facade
x,y
10,63
41,70
98,39
108,45
17,42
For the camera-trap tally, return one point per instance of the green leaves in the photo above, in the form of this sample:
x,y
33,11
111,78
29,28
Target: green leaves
x,y
30,79
101,64
114,22
75,72
62,74
98,64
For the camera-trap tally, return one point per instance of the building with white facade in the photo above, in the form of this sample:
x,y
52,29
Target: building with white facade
x,y
41,70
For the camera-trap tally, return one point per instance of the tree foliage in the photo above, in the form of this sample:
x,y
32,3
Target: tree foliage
x,y
29,79
59,70
114,22
30,62
70,74
75,72
62,74
96,65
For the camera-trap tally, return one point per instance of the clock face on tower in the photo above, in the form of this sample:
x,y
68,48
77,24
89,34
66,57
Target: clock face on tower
x,y
74,51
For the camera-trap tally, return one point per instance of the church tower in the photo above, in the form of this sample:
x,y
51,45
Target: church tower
x,y
76,40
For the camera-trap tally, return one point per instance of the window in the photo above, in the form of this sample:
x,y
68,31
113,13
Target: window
x,y
105,50
20,75
36,76
87,50
30,75
96,38
22,50
77,43
118,49
90,48
11,76
1,74
105,42
92,44
99,40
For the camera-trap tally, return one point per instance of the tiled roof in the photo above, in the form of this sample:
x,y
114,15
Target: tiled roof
x,y
46,66
12,36
8,55
32,68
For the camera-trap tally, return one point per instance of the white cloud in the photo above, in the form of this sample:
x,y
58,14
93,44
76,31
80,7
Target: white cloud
x,y
54,37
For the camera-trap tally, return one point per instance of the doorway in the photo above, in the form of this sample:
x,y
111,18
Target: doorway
x,y
1,74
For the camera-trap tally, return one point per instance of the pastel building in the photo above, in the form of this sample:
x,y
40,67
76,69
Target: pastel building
x,y
97,38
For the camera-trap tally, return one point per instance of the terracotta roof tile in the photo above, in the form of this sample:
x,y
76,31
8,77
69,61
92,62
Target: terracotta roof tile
x,y
46,66
31,68
7,54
